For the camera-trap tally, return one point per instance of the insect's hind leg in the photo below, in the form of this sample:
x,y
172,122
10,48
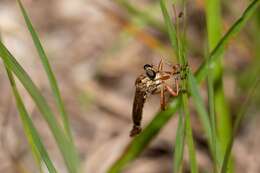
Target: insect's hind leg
x,y
172,92
162,98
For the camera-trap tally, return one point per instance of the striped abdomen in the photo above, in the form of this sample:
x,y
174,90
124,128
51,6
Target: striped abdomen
x,y
137,111
139,100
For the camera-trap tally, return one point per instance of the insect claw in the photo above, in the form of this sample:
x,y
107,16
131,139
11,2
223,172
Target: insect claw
x,y
184,77
185,67
180,14
182,90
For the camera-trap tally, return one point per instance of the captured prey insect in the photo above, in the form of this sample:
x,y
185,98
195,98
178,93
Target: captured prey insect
x,y
154,82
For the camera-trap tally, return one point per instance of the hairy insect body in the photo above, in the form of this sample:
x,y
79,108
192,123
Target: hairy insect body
x,y
147,85
153,82
144,87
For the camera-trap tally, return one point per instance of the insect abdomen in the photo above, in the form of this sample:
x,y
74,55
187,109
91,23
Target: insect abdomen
x,y
137,111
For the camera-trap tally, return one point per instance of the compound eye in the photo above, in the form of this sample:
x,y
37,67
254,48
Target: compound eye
x,y
150,73
147,66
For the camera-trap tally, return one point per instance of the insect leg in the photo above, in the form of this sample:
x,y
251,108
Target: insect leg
x,y
176,69
160,65
172,92
164,77
162,98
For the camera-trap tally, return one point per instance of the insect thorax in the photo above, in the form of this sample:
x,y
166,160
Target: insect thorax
x,y
145,84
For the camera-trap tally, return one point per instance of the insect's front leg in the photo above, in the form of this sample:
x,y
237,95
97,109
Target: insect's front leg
x,y
178,69
160,65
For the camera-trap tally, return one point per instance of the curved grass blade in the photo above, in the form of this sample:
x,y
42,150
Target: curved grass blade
x,y
189,136
48,70
178,45
35,153
218,106
200,75
215,54
199,104
213,18
31,133
181,46
64,143
180,134
139,143
204,118
179,144
170,26
224,167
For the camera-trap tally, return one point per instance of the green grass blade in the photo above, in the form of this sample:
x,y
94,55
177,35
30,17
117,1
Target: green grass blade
x,y
213,138
218,50
64,143
213,22
140,142
200,107
169,25
201,74
204,118
178,45
31,133
189,136
48,70
216,53
179,144
250,96
213,18
35,153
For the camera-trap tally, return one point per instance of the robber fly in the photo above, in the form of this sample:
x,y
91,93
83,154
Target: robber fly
x,y
150,83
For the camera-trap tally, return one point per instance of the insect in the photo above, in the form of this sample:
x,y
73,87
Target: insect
x,y
154,82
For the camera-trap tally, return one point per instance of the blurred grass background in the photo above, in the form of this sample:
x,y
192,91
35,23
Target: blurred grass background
x,y
96,49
